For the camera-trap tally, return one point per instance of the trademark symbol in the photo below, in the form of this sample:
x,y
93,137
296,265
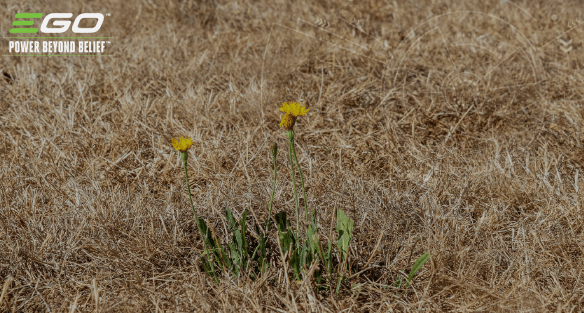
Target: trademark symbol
x,y
108,42
108,14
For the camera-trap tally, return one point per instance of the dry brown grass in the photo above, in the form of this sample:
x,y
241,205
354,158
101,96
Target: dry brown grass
x,y
94,216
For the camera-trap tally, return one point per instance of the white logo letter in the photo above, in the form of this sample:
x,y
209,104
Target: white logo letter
x,y
64,24
77,29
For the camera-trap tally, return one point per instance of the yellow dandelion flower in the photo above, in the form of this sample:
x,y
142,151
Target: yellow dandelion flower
x,y
182,144
294,108
287,121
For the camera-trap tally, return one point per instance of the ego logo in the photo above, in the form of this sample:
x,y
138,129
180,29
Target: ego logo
x,y
63,26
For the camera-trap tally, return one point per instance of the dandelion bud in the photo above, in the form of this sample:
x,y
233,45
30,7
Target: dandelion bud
x,y
274,149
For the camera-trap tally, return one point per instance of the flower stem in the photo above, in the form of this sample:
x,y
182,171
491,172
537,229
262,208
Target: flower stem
x,y
290,134
272,198
184,156
312,218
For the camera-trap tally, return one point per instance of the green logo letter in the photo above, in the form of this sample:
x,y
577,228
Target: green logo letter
x,y
25,23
